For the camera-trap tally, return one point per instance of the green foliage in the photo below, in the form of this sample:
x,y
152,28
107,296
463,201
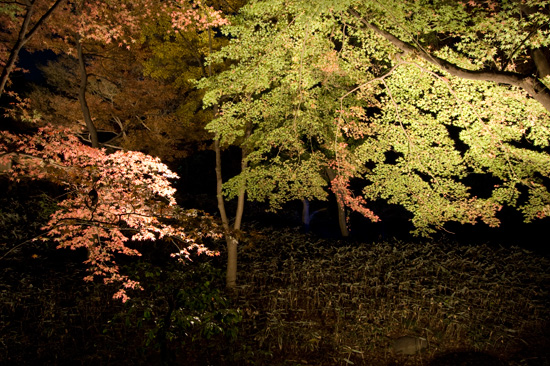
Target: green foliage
x,y
280,182
9,10
318,89
203,314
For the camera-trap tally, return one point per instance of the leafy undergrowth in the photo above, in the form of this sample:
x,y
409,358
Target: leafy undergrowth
x,y
302,300
313,301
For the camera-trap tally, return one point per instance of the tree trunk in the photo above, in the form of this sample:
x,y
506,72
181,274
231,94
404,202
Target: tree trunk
x,y
219,184
230,238
82,95
231,275
231,241
306,219
240,200
342,222
242,191
22,39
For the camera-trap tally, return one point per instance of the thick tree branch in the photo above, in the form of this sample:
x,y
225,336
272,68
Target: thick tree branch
x,y
528,83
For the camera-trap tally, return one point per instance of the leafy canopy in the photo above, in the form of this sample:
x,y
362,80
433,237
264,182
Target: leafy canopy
x,y
416,99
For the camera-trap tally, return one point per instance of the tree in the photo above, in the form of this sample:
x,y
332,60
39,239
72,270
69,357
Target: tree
x,y
111,199
415,99
68,27
133,110
96,25
525,23
170,46
178,58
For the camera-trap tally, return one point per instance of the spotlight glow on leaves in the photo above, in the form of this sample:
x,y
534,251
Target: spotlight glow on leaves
x,y
416,99
111,199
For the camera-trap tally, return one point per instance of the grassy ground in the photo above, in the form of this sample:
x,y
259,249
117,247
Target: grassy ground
x,y
302,300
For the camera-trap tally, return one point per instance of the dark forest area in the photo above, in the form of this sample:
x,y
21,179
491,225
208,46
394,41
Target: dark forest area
x,y
233,182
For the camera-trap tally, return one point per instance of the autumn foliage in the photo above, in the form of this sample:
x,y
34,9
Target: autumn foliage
x,y
111,199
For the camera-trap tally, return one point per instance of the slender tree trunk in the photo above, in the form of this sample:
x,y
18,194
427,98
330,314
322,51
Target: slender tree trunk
x,y
240,201
24,36
306,219
342,222
219,184
232,242
231,275
230,239
82,95
21,40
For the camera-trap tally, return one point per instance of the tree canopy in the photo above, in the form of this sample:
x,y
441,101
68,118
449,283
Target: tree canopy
x,y
111,199
412,100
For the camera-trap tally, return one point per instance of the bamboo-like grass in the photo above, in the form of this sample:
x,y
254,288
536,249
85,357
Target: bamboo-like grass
x,y
306,300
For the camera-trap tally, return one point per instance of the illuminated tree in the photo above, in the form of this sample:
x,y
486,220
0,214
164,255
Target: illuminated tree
x,y
179,57
111,199
415,98
133,110
89,27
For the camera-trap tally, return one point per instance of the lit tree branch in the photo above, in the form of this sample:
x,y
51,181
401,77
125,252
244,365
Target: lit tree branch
x,y
528,83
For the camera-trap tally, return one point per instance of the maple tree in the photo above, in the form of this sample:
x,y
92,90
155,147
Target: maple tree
x,y
90,28
111,199
415,99
136,112
63,27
